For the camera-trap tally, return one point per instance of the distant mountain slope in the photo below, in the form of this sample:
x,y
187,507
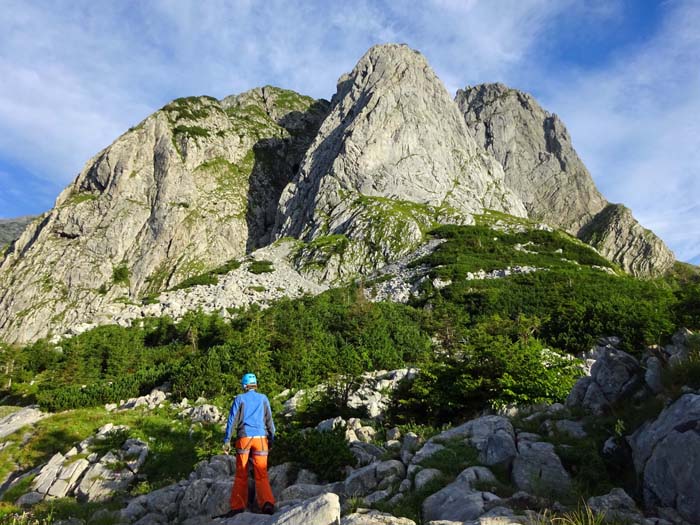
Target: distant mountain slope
x,y
11,229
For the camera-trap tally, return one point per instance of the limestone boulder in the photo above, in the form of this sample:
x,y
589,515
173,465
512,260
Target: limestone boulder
x,y
661,450
616,505
537,469
615,375
460,501
17,420
373,517
321,510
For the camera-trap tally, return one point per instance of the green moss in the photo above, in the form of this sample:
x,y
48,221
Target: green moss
x,y
490,218
288,100
257,288
158,278
252,121
390,220
21,488
453,459
232,180
317,253
197,280
210,277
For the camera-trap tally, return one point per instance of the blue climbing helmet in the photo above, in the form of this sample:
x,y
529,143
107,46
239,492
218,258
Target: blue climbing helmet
x,y
249,379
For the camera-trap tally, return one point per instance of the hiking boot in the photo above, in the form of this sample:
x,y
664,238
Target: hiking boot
x,y
268,508
229,514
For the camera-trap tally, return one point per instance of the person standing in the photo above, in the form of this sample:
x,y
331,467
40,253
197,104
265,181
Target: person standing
x,y
251,419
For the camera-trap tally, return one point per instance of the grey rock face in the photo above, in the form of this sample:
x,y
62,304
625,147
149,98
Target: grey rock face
x,y
537,469
192,186
617,235
373,517
322,510
425,476
614,376
94,478
662,452
392,157
543,169
616,505
536,153
21,418
362,481
205,497
460,501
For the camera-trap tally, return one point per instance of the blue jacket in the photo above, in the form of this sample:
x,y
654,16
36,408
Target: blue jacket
x,y
250,416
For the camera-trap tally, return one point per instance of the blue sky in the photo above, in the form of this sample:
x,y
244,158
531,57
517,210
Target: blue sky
x,y
624,76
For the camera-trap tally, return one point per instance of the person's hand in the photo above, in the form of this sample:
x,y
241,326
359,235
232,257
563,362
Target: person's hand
x,y
227,448
270,441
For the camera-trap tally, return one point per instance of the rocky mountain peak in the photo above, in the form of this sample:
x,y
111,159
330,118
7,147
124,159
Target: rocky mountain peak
x,y
536,153
393,136
543,169
194,185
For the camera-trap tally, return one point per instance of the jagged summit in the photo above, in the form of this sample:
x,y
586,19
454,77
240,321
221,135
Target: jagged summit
x,y
392,132
535,150
393,135
543,169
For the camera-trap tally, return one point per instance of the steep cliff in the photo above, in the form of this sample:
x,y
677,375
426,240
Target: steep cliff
x,y
392,158
192,186
543,169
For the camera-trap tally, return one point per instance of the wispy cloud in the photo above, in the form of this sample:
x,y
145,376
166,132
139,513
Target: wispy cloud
x,y
635,124
77,74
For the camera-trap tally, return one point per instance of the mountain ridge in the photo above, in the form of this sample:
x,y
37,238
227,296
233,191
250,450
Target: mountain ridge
x,y
359,181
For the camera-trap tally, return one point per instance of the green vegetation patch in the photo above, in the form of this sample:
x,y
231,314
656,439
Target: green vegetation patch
x,y
120,275
190,108
259,267
210,277
324,453
473,248
287,100
231,179
191,131
251,120
80,197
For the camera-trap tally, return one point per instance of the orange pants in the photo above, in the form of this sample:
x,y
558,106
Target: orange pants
x,y
239,494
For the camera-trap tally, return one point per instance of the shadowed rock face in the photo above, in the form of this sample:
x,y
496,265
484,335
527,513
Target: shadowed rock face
x,y
543,169
192,186
393,134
